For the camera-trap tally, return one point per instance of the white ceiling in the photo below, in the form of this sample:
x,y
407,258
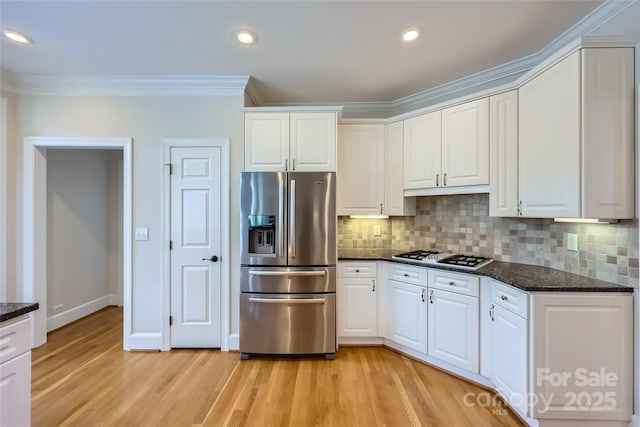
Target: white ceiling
x,y
307,51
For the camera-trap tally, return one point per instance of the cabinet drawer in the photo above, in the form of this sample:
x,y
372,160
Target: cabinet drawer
x,y
15,339
408,274
357,269
459,283
509,298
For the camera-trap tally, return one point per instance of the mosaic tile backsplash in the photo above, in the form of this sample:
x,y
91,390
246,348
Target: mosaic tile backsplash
x,y
461,224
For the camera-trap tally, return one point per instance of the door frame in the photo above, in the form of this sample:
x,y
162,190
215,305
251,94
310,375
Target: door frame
x,y
4,290
34,229
223,144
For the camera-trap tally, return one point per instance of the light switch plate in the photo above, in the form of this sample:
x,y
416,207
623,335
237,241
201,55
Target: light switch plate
x,y
572,242
142,233
377,231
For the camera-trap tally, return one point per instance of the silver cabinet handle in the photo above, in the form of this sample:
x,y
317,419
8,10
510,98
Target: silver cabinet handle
x,y
288,300
307,273
292,219
406,274
520,208
431,297
504,298
374,285
286,165
293,165
491,312
437,180
444,180
452,283
423,294
281,219
380,208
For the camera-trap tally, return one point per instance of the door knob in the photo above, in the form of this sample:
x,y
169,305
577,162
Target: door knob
x,y
214,258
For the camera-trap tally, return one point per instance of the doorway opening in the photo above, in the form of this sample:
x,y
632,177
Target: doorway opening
x,y
35,223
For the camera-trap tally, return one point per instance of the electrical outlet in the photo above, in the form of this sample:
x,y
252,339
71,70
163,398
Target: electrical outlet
x,y
58,308
377,232
572,242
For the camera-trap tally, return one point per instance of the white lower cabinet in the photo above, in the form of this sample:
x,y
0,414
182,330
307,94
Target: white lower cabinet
x,y
15,373
508,343
357,299
453,329
407,315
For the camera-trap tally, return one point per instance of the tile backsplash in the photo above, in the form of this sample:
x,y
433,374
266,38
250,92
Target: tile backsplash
x,y
461,224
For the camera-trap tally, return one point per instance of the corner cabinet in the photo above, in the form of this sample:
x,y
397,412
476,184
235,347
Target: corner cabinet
x,y
370,170
576,148
360,169
302,141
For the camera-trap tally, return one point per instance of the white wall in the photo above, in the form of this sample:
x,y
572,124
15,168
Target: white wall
x,y
78,218
147,120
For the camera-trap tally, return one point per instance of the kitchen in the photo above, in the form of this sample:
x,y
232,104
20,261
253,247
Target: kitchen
x,y
72,112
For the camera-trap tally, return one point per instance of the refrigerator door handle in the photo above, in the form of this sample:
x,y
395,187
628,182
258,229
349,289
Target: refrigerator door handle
x,y
288,273
281,219
292,219
288,300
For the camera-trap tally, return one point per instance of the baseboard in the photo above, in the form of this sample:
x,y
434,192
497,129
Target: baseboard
x,y
115,300
234,342
64,318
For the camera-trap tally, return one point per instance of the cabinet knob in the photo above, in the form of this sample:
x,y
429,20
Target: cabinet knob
x,y
357,270
406,274
452,283
504,298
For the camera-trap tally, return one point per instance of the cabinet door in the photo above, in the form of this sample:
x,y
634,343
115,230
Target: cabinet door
x,y
360,169
582,356
503,159
422,149
266,142
465,144
508,349
395,204
607,133
549,142
454,329
408,315
15,391
313,142
357,307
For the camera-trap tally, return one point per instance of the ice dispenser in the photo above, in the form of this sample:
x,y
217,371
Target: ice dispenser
x,y
262,232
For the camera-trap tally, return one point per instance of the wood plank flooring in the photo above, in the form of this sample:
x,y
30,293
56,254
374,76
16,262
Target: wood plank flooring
x,y
82,377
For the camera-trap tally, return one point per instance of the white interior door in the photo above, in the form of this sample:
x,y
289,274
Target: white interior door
x,y
196,244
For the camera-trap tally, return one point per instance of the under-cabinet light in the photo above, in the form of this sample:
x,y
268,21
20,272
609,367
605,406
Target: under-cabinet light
x,y
369,216
587,220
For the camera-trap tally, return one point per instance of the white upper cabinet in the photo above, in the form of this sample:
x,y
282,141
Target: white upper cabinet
x,y
576,137
465,144
370,170
361,169
422,145
290,141
447,148
395,204
503,154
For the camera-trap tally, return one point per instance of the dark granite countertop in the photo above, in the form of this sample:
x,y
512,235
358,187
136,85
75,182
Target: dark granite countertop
x,y
531,278
9,310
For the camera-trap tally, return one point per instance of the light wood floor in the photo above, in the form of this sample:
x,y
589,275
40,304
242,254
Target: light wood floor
x,y
83,377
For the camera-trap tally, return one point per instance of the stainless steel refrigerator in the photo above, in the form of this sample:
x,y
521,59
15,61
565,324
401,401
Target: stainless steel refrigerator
x,y
288,263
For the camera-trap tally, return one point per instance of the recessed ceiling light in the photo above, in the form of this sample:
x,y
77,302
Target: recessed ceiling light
x,y
247,37
410,34
17,37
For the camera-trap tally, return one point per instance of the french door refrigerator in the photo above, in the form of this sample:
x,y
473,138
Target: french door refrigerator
x,y
288,263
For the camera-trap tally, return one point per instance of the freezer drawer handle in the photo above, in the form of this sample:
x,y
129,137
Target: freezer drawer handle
x,y
288,273
288,300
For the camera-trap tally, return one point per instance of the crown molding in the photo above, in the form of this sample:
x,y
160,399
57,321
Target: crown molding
x,y
252,92
115,85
